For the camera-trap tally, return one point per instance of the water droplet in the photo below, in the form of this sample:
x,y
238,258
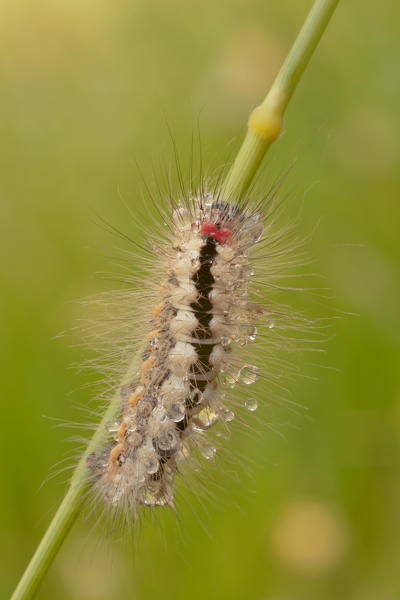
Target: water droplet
x,y
112,427
176,412
152,495
180,215
151,464
254,227
199,425
195,224
228,415
252,334
208,451
196,397
251,404
249,374
140,474
167,442
246,333
205,419
225,341
134,439
231,378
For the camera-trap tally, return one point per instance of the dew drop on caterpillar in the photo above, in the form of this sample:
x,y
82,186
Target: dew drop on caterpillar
x,y
207,318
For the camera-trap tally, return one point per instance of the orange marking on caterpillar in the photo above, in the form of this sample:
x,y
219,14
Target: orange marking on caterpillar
x,y
146,367
117,450
113,459
157,310
122,430
135,397
152,334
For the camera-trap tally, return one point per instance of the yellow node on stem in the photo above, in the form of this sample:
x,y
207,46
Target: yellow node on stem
x,y
266,120
265,123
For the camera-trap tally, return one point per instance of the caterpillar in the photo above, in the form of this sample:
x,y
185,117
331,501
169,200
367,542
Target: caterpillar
x,y
213,259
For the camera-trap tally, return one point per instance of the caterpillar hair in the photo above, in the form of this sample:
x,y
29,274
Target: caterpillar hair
x,y
203,319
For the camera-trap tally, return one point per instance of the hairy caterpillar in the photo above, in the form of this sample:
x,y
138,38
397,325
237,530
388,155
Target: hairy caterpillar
x,y
205,303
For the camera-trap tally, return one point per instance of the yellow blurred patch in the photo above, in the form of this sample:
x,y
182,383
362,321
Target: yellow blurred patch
x,y
308,537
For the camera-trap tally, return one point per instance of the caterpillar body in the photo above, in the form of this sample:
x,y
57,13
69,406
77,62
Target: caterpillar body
x,y
202,318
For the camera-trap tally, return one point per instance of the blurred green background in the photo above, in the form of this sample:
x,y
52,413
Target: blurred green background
x,y
86,89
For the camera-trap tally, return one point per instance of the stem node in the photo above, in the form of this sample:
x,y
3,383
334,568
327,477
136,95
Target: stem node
x,y
265,123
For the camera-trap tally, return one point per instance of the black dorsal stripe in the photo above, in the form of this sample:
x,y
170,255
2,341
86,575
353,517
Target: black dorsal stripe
x,y
202,309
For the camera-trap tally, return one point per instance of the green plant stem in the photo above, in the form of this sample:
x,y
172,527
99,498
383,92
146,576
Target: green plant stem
x,y
72,502
265,125
266,121
50,543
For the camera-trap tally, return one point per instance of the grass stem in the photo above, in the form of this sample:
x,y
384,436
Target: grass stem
x,y
266,121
